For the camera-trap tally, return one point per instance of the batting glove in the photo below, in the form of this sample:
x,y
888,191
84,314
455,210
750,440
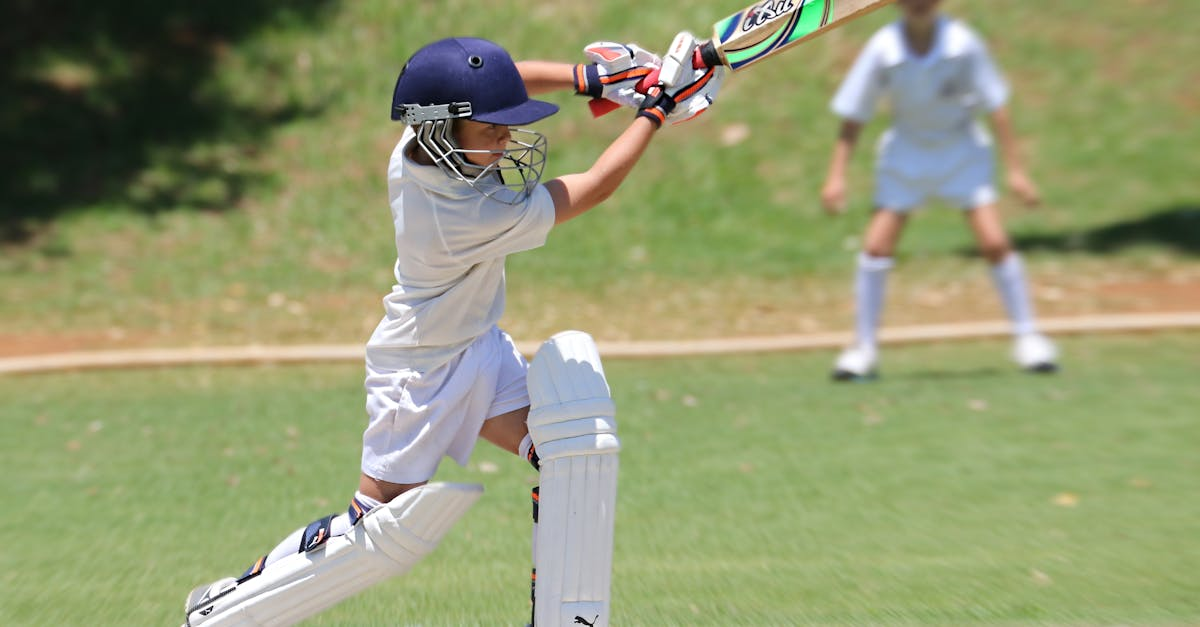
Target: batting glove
x,y
691,96
614,72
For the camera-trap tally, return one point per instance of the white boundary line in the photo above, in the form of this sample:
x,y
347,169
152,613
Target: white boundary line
x,y
306,353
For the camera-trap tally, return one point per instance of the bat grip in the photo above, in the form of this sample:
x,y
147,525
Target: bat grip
x,y
706,55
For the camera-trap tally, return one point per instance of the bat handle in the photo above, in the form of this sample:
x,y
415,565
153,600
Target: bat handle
x,y
703,56
677,58
706,55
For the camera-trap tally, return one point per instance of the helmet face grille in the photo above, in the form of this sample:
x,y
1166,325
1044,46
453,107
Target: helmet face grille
x,y
509,179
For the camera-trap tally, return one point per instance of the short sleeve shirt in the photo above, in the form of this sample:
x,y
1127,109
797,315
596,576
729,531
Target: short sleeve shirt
x,y
451,243
933,97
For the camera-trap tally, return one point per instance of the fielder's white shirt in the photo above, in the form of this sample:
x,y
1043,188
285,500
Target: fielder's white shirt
x,y
935,98
451,242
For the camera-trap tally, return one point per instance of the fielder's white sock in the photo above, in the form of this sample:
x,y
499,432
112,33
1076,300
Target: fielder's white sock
x,y
870,288
1009,277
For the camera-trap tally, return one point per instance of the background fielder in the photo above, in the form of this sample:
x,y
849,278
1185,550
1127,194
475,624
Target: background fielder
x,y
938,75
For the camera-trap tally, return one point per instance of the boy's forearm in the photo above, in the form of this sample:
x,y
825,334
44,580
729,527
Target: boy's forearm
x,y
574,194
546,76
843,148
1002,129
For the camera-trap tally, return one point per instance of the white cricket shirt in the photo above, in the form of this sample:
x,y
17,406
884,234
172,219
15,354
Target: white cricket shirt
x,y
451,242
935,97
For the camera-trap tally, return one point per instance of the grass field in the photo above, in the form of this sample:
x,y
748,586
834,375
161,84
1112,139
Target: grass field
x,y
240,197
753,492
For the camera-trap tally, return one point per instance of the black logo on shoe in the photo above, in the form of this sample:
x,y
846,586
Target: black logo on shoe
x,y
579,620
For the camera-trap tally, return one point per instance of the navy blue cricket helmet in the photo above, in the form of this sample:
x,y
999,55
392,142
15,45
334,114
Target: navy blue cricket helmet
x,y
475,79
468,69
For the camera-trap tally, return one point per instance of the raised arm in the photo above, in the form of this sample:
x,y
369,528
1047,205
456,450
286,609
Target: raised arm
x,y
618,73
1014,165
833,194
546,76
574,194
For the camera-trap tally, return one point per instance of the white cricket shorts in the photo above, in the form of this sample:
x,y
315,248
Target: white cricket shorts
x,y
416,418
909,175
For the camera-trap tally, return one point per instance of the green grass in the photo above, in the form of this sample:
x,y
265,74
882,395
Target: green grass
x,y
702,233
753,492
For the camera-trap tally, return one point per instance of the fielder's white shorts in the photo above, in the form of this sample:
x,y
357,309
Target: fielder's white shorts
x,y
416,418
959,172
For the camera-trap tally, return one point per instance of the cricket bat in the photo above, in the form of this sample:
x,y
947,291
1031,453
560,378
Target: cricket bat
x,y
761,30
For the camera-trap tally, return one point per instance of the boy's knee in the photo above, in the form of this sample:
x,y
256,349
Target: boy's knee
x,y
878,250
995,252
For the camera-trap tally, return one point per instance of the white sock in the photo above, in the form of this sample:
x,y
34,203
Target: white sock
x,y
1009,277
870,288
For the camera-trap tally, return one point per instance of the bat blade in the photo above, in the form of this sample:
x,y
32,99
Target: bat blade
x,y
770,26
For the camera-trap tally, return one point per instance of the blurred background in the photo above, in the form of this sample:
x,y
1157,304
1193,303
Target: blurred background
x,y
178,173
181,174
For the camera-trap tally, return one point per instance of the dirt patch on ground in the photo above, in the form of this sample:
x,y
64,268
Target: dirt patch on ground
x,y
1153,296
12,344
758,310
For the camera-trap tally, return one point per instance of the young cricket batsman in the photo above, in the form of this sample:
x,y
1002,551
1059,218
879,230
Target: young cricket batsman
x,y
939,78
465,190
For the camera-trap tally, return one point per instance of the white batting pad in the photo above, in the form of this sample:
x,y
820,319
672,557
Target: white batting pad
x,y
387,542
571,421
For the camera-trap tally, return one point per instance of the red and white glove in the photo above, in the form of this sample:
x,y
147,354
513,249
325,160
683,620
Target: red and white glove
x,y
614,73
692,94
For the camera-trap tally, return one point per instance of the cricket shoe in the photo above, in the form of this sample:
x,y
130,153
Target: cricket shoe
x,y
856,363
202,595
1034,352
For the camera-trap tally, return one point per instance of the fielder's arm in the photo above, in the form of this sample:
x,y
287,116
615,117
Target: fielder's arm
x,y
833,194
1014,166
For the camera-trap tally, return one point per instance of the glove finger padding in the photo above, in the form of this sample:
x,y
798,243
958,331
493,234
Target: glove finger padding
x,y
616,57
643,57
616,72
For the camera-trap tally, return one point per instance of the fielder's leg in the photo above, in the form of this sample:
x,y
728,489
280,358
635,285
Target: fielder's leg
x,y
1031,350
571,422
385,542
858,362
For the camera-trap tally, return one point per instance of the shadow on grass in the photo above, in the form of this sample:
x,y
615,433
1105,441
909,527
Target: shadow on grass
x,y
1176,227
948,374
116,103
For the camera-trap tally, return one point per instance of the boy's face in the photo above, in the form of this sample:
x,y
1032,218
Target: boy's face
x,y
919,11
472,135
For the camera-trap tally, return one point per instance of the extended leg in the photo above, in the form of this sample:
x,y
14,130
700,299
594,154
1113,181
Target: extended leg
x,y
387,541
